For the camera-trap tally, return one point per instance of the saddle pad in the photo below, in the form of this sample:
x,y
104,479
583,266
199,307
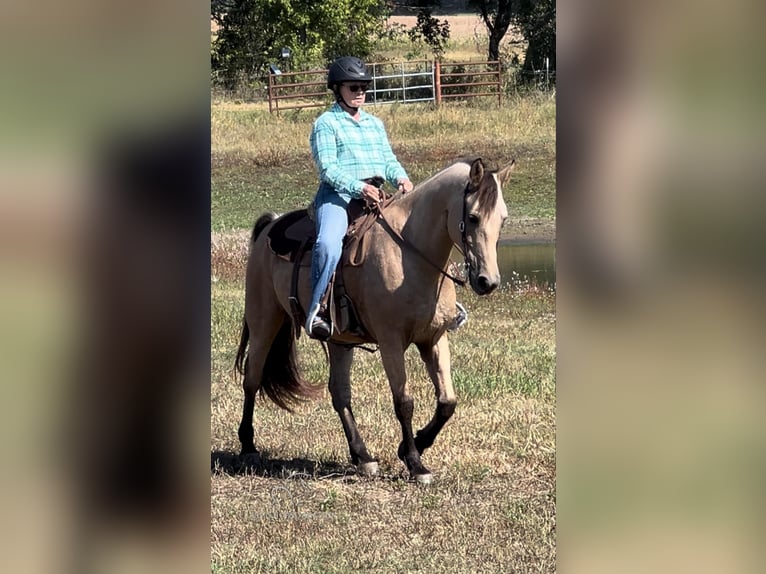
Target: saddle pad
x,y
289,231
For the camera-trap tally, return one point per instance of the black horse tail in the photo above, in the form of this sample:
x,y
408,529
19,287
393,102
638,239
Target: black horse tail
x,y
281,380
240,363
262,222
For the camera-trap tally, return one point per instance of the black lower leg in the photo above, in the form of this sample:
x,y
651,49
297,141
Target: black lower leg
x,y
426,436
407,450
245,432
357,448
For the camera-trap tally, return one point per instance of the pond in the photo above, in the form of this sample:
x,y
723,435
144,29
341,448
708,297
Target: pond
x,y
525,261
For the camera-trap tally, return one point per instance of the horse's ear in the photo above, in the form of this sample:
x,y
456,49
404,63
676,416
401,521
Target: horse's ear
x,y
477,172
505,174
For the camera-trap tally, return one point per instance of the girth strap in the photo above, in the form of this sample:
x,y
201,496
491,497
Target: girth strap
x,y
299,315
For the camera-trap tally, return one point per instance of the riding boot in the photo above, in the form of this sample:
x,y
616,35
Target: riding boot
x,y
316,326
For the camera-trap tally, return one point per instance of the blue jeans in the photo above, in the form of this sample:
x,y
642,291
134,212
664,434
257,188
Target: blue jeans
x,y
332,223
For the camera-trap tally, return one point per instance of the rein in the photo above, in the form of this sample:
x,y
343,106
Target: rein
x,y
402,242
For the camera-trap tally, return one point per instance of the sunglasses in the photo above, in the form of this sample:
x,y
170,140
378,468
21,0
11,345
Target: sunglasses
x,y
358,87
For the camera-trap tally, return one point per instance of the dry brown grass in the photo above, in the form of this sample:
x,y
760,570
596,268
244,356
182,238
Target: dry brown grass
x,y
298,507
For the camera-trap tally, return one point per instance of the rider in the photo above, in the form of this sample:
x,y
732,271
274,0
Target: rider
x,y
348,146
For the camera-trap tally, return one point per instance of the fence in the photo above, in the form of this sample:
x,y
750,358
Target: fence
x,y
402,82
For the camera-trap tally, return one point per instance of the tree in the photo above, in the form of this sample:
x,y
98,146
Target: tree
x,y
432,31
497,16
535,19
251,34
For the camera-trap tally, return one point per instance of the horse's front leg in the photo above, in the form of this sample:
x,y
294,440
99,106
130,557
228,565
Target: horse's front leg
x,y
340,389
437,360
393,363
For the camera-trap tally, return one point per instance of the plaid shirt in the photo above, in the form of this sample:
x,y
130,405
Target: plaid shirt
x,y
346,152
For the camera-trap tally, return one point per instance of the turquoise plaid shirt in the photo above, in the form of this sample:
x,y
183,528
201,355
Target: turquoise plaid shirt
x,y
346,152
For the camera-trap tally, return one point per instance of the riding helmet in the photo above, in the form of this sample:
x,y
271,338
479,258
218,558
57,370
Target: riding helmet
x,y
347,69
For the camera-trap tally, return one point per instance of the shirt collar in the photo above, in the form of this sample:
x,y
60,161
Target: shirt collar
x,y
339,111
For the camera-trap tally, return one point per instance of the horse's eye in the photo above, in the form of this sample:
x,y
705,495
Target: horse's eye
x,y
473,218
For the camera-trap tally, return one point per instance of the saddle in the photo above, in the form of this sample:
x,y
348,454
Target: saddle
x,y
293,235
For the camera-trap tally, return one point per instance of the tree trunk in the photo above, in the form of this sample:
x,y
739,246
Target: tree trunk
x,y
499,28
536,54
494,44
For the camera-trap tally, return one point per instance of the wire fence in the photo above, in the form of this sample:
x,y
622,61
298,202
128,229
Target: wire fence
x,y
392,82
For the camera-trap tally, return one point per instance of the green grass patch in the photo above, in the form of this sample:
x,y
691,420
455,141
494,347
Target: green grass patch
x,y
262,162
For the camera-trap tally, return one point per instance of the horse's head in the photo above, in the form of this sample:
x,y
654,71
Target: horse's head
x,y
477,223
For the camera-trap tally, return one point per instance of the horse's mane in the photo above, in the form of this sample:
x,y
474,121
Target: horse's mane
x,y
487,191
445,172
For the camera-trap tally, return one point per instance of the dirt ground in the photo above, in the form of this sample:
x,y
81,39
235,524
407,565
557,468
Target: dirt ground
x,y
529,230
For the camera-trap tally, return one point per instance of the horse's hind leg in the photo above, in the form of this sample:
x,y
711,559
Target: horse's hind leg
x,y
437,360
393,363
340,389
258,350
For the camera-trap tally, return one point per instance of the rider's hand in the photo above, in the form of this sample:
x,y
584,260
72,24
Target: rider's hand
x,y
371,193
405,185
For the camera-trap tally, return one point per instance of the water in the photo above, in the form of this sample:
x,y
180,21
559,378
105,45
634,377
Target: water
x,y
523,261
533,262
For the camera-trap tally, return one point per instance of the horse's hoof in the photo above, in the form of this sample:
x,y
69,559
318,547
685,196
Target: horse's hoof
x,y
367,469
424,479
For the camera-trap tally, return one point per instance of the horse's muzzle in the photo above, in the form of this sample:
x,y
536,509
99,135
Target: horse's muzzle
x,y
483,285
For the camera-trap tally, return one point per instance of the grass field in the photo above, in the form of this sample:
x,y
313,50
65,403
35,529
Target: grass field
x,y
262,162
298,506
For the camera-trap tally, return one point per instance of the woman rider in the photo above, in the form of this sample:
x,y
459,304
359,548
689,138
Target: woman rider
x,y
348,146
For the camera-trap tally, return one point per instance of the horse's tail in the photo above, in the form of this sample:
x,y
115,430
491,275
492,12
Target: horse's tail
x,y
280,380
240,363
262,222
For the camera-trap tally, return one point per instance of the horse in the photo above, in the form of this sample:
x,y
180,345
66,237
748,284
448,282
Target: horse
x,y
402,294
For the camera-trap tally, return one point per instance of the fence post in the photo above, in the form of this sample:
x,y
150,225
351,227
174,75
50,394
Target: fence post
x,y
404,88
499,84
438,82
547,72
271,84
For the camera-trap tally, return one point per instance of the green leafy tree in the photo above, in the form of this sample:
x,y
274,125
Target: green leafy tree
x,y
535,19
497,16
251,34
432,31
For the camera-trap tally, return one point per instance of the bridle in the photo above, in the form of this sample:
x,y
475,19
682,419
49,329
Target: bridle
x,y
463,240
461,227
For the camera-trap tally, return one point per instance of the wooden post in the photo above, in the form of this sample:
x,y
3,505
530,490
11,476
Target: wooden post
x,y
438,82
499,85
271,84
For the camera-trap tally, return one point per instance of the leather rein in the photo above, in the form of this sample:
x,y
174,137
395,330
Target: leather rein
x,y
402,242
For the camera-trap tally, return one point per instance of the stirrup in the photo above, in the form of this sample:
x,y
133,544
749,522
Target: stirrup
x,y
316,326
460,319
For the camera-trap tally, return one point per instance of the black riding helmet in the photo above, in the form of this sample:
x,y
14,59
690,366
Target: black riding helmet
x,y
347,69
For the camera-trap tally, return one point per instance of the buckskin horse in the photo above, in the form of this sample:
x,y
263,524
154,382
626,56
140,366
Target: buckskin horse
x,y
402,294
